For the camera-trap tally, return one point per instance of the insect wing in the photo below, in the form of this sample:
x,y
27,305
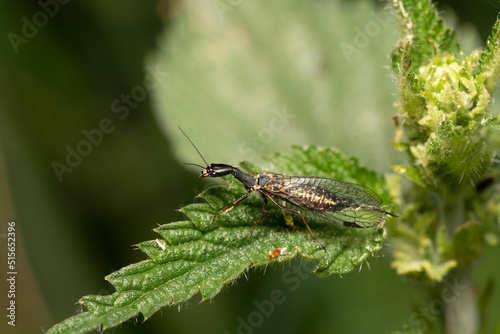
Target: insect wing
x,y
360,217
355,205
365,209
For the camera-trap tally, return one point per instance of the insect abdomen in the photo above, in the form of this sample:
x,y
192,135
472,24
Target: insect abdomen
x,y
315,199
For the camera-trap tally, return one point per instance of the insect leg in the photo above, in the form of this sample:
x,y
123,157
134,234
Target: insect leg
x,y
303,219
310,231
229,207
264,212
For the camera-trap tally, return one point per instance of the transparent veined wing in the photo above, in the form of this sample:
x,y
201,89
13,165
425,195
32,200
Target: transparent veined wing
x,y
329,200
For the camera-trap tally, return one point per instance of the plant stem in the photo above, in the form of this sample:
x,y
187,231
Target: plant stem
x,y
452,213
461,311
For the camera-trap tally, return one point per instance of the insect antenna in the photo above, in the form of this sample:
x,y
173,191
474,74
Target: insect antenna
x,y
201,156
191,164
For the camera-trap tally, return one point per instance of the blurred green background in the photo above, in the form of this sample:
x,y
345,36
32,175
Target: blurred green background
x,y
63,80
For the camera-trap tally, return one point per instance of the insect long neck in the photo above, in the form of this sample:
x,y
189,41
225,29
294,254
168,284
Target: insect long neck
x,y
245,178
218,170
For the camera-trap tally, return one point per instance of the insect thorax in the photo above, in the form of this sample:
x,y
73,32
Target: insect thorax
x,y
271,182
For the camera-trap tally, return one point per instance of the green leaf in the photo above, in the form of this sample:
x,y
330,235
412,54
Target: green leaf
x,y
417,252
247,93
410,172
489,63
468,242
424,30
214,248
451,140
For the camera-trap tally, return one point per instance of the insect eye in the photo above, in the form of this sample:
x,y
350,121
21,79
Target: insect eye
x,y
205,172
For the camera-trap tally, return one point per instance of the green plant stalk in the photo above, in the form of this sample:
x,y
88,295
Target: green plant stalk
x,y
461,315
452,213
451,140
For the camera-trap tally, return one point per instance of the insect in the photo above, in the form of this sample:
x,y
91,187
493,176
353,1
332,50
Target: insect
x,y
316,198
276,252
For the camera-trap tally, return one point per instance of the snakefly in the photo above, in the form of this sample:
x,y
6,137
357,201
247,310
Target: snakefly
x,y
317,198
